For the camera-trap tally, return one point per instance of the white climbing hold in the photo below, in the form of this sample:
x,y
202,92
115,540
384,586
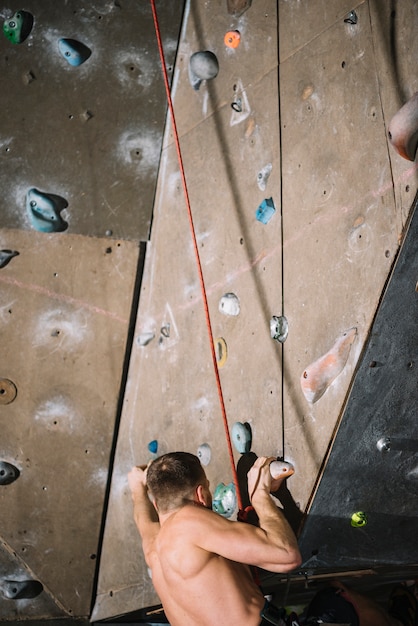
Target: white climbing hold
x,y
229,304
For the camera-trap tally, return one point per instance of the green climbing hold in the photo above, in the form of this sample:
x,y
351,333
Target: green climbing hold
x,y
18,27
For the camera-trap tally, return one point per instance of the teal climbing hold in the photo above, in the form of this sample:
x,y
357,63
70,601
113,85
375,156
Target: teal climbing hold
x,y
18,27
8,473
224,499
242,437
44,211
265,211
20,589
74,52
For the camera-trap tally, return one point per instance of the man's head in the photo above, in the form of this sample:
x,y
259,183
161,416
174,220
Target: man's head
x,y
178,478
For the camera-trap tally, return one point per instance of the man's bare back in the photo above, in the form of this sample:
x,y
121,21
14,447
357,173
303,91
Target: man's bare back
x,y
199,560
194,585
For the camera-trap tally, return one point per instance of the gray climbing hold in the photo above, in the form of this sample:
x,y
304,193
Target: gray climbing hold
x,y
242,437
8,473
6,256
229,304
202,66
279,328
263,176
19,589
204,453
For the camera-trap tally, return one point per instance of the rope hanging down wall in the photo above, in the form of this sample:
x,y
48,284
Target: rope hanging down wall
x,y
195,247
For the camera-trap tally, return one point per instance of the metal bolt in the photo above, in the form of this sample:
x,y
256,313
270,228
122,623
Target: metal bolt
x,y
384,444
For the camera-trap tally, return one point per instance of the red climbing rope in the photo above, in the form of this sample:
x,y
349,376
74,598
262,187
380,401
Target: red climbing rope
x,y
199,265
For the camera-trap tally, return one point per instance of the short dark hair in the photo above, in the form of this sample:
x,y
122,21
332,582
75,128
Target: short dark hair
x,y
173,478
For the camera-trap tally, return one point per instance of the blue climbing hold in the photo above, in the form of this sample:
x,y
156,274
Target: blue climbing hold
x,y
265,211
8,473
44,211
18,27
224,499
74,52
242,437
153,446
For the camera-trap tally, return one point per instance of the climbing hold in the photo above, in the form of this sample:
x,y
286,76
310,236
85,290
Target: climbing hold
x,y
221,351
204,453
318,376
242,437
44,210
202,66
19,589
403,129
232,38
237,7
145,338
8,391
18,27
384,444
153,446
224,499
351,18
263,176
8,473
229,304
74,51
6,256
358,519
265,211
281,469
279,328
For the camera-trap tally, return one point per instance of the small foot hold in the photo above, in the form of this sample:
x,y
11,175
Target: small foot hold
x,y
6,256
237,7
8,473
20,589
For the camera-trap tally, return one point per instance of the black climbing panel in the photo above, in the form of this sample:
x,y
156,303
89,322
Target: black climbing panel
x,y
365,511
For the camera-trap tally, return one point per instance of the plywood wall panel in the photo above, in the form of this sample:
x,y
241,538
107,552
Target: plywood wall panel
x,y
65,310
302,22
91,134
341,228
171,394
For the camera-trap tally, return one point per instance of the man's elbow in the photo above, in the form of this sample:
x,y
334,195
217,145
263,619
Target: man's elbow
x,y
293,561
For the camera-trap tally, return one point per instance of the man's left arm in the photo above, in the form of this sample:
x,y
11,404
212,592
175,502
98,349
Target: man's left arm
x,y
145,515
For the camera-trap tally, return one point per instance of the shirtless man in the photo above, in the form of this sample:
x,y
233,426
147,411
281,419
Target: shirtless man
x,y
199,560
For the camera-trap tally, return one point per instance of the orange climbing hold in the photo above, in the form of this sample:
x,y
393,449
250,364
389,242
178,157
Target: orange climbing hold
x,y
320,374
232,38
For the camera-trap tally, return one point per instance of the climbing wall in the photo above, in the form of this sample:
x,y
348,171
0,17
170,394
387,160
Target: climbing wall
x,y
299,203
80,138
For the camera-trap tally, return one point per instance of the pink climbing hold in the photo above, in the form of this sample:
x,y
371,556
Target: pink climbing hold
x,y
320,374
403,129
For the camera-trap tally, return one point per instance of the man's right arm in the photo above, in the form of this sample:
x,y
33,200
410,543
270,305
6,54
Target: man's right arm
x,y
271,519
